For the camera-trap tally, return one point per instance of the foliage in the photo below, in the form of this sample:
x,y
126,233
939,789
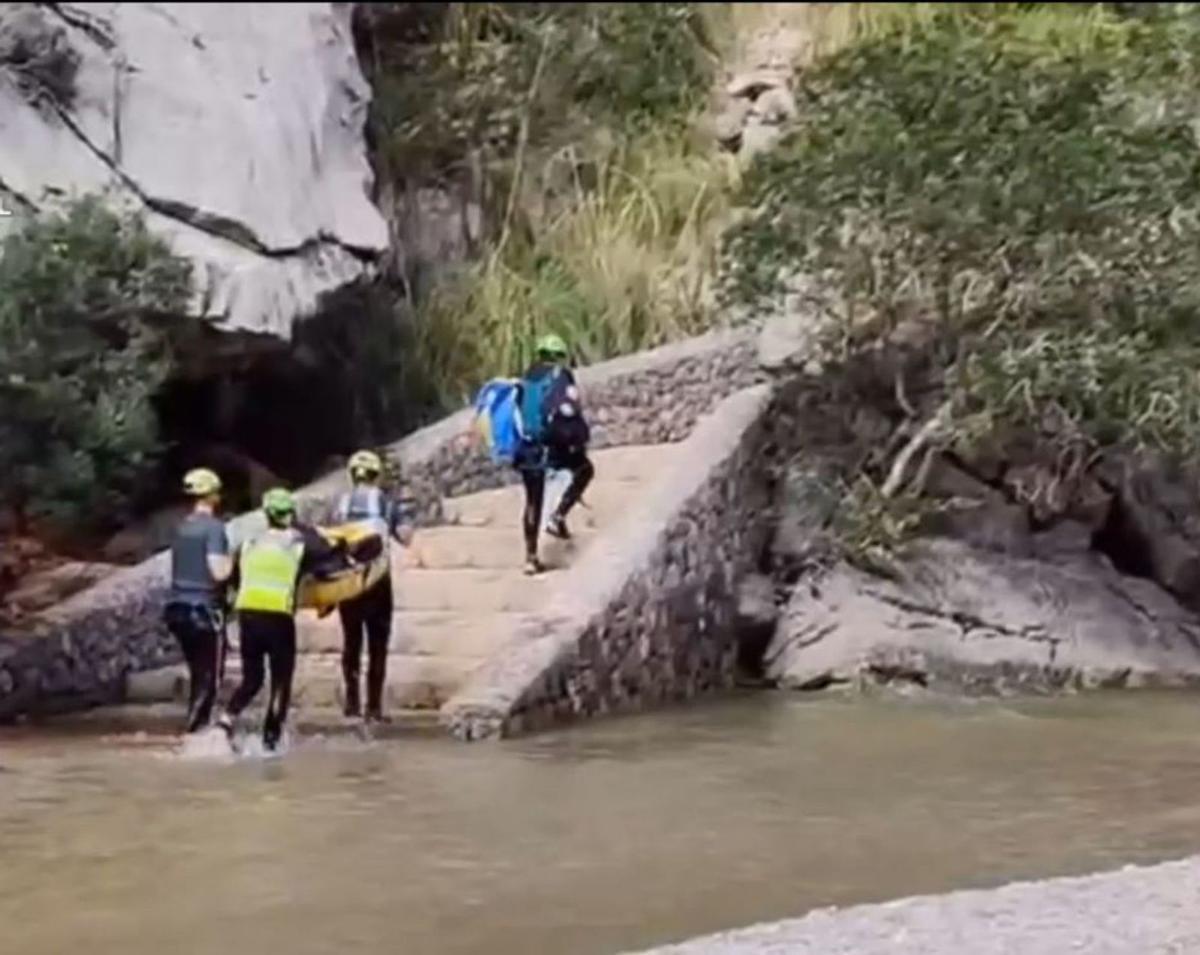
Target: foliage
x,y
456,87
623,265
81,354
871,530
570,125
1027,179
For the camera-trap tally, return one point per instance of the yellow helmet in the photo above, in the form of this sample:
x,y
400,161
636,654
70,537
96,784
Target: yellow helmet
x,y
201,482
365,464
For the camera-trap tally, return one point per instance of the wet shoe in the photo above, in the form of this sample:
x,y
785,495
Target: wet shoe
x,y
377,716
533,566
225,724
557,527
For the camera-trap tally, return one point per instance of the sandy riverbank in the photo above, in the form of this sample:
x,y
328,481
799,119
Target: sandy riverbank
x,y
1133,911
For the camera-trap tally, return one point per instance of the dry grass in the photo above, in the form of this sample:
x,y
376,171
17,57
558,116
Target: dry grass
x,y
627,259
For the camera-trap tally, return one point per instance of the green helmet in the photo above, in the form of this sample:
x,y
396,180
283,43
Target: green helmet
x,y
278,502
552,346
201,482
365,464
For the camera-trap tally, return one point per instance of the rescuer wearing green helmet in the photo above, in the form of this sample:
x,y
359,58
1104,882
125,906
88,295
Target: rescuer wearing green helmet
x,y
194,608
554,436
369,614
267,572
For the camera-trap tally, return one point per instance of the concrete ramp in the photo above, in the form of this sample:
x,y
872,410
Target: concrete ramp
x,y
464,594
460,591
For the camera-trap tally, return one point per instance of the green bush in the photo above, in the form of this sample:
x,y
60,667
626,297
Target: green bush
x,y
81,354
570,125
1029,180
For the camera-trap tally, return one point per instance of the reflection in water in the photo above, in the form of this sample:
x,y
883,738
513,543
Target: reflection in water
x,y
612,836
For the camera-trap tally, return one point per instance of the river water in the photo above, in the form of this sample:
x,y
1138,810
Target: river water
x,y
612,836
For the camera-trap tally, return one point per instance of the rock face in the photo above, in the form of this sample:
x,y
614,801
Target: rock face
x,y
236,128
980,619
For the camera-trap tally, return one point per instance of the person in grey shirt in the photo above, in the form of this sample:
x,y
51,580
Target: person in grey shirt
x,y
194,611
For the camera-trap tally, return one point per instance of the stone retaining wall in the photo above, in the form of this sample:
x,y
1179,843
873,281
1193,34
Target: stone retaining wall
x,y
82,651
646,617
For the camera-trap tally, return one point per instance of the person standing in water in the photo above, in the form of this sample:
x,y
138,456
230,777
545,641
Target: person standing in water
x,y
554,436
369,615
267,571
195,607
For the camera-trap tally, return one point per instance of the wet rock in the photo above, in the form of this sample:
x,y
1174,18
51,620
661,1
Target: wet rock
x,y
978,619
806,500
975,512
754,622
1154,527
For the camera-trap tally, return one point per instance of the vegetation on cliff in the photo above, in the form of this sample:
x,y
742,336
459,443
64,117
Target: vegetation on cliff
x,y
1023,181
571,126
82,353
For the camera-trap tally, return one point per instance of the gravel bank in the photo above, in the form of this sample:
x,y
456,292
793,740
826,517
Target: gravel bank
x,y
1133,911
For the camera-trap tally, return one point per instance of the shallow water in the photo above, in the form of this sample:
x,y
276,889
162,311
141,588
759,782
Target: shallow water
x,y
618,835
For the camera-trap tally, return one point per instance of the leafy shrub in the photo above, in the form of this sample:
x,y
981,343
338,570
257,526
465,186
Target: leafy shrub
x,y
569,125
1028,178
81,354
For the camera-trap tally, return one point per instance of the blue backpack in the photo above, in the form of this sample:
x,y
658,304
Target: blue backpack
x,y
496,418
538,396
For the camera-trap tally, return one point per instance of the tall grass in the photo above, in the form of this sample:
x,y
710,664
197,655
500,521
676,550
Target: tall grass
x,y
1041,215
624,262
607,215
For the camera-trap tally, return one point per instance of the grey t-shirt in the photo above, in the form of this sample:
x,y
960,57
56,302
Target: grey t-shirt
x,y
191,581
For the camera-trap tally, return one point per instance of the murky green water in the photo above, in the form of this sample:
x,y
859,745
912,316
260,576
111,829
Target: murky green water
x,y
608,837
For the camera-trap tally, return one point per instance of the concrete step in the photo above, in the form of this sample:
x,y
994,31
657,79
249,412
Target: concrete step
x,y
452,548
460,591
502,508
469,591
420,633
413,682
633,462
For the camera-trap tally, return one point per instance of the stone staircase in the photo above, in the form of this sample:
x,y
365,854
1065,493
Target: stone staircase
x,y
460,589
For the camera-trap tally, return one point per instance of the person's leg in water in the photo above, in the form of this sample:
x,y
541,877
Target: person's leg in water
x,y
379,606
281,654
199,637
352,614
534,479
582,471
214,651
254,631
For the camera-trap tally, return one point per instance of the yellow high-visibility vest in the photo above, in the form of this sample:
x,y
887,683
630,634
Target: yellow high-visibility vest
x,y
270,566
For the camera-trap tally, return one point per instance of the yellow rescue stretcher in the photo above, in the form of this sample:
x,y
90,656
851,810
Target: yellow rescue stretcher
x,y
326,588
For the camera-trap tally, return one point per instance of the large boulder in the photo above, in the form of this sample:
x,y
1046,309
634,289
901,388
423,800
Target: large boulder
x,y
979,619
236,128
1154,527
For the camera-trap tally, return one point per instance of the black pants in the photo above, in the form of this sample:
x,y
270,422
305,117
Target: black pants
x,y
533,466
369,615
201,635
267,638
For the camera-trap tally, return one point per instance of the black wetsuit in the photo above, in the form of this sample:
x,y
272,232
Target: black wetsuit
x,y
563,447
268,639
369,614
194,611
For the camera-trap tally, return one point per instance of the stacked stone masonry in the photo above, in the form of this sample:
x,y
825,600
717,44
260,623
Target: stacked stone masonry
x,y
81,652
646,617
